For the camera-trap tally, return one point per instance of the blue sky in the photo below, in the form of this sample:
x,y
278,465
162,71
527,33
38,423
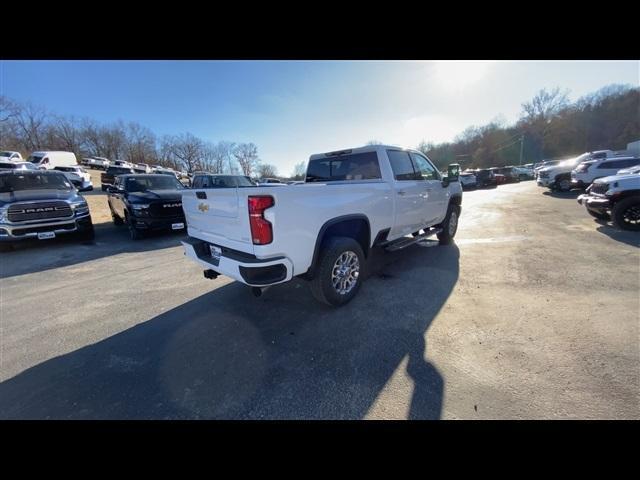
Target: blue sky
x,y
293,109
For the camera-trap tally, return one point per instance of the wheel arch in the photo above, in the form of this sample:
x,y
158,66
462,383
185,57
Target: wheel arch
x,y
456,199
354,226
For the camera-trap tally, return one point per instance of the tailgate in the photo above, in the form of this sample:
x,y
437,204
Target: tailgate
x,y
219,216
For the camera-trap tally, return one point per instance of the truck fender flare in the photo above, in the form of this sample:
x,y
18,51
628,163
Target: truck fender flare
x,y
325,227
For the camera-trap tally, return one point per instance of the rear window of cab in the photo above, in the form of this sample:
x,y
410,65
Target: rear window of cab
x,y
353,166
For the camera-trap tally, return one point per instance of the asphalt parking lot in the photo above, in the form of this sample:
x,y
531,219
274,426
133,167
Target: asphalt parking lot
x,y
532,314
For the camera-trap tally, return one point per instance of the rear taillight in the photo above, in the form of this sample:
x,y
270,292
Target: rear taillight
x,y
261,231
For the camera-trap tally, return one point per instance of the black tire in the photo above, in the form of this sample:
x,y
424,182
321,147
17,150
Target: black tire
x,y
116,219
598,215
103,187
88,234
134,233
322,283
448,230
626,214
563,184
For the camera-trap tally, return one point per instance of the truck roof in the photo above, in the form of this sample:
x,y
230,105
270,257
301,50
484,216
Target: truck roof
x,y
363,149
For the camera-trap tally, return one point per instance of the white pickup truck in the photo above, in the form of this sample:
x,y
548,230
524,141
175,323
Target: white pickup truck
x,y
325,229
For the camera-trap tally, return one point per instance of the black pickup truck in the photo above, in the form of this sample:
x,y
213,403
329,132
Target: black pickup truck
x,y
107,178
36,204
147,202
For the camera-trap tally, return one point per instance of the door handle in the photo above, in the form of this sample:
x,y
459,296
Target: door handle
x,y
401,192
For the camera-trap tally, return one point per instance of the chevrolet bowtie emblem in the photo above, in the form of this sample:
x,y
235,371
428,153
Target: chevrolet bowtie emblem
x,y
203,207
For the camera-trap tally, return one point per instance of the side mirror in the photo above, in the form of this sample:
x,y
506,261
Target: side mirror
x,y
453,172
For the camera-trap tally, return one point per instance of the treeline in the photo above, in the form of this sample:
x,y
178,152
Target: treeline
x,y
549,127
26,128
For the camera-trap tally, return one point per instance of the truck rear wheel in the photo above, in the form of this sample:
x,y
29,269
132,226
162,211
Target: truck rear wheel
x,y
339,271
449,225
626,213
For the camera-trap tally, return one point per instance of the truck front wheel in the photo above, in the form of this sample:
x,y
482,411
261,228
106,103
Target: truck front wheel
x,y
449,225
339,271
626,213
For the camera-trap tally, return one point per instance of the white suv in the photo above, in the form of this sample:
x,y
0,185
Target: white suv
x,y
585,173
558,177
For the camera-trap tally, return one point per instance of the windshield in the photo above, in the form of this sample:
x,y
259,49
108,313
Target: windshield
x,y
7,165
574,161
34,181
35,158
582,158
142,184
6,154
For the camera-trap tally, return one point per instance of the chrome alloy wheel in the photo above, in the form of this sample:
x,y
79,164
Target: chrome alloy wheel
x,y
345,272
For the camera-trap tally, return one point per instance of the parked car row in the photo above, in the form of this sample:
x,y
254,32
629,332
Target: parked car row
x,y
61,161
582,170
494,176
611,181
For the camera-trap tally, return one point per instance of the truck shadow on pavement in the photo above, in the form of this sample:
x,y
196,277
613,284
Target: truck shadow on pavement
x,y
228,355
31,256
624,236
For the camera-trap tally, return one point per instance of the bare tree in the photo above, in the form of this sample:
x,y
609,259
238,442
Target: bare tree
x,y
90,140
545,105
186,151
266,170
538,114
31,124
8,109
65,134
299,171
247,156
216,156
140,143
115,140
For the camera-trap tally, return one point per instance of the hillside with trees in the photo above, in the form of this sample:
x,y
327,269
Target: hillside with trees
x,y
549,127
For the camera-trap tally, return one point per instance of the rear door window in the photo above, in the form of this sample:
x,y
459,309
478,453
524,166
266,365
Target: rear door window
x,y
356,166
402,165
